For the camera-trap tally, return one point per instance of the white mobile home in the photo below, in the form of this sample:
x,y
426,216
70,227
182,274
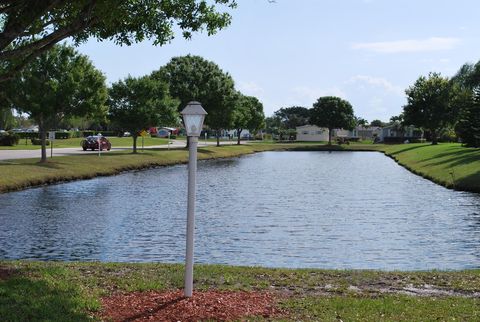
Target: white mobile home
x,y
311,133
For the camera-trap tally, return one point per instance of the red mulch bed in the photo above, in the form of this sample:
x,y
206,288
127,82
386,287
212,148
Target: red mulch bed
x,y
6,273
173,306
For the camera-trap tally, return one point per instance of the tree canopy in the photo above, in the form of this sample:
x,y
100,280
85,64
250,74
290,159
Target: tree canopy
x,y
294,116
429,104
467,101
30,27
377,123
59,84
333,113
139,103
468,76
468,126
248,114
193,78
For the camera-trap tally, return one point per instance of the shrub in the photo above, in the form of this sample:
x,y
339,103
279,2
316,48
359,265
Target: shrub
x,y
9,139
27,135
75,134
104,133
173,136
36,141
62,135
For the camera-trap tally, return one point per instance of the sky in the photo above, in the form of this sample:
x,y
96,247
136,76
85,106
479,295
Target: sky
x,y
291,52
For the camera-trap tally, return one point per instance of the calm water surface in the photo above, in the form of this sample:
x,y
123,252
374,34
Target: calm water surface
x,y
280,209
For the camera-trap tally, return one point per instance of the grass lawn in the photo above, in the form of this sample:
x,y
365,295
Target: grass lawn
x,y
448,164
53,291
75,143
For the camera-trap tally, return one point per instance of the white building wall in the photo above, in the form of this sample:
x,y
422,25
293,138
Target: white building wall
x,y
311,133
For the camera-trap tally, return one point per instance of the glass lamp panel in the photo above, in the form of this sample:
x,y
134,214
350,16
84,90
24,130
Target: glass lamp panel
x,y
193,124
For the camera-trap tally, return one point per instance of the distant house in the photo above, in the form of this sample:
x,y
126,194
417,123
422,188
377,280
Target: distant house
x,y
245,134
315,133
163,132
398,134
311,133
345,134
368,133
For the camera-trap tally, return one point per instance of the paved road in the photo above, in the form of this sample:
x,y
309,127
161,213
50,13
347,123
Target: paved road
x,y
28,154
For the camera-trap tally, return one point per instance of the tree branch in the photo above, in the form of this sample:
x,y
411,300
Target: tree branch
x,y
16,26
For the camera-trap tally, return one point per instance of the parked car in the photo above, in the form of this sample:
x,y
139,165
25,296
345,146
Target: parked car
x,y
91,142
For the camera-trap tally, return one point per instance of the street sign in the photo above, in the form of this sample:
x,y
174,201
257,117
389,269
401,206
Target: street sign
x,y
51,138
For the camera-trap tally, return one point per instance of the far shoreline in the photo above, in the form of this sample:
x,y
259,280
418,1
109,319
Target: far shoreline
x,y
65,169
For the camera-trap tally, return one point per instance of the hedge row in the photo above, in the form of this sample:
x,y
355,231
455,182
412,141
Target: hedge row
x,y
104,133
9,139
36,135
68,135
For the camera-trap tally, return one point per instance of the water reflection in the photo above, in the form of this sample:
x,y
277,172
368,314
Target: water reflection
x,y
289,209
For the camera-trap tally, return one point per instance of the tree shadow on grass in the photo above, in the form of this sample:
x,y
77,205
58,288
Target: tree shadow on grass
x,y
409,148
205,151
151,311
25,299
49,165
171,149
469,183
455,157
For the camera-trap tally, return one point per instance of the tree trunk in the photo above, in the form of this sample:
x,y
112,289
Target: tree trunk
x,y
434,137
239,131
329,136
218,137
134,137
43,139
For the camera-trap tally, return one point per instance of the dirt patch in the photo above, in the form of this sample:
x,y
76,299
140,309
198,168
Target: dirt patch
x,y
173,306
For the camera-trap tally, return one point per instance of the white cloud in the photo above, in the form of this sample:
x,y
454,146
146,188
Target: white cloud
x,y
377,82
409,46
309,95
251,88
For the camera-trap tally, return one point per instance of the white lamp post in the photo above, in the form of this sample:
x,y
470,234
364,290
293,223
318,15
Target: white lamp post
x,y
193,116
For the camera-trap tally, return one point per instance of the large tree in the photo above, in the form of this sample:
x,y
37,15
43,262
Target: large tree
x,y
467,100
273,125
294,116
468,126
248,114
139,103
333,113
377,123
468,76
430,104
30,27
193,78
59,84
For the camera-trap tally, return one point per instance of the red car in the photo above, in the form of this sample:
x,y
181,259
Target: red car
x,y
91,142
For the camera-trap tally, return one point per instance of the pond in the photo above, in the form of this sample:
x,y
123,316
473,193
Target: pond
x,y
277,209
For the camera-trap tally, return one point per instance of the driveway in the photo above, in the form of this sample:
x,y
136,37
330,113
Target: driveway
x,y
29,154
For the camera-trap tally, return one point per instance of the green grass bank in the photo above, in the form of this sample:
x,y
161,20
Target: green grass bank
x,y
53,291
76,143
450,165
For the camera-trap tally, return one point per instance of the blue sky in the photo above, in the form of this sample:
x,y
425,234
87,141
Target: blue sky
x,y
293,51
